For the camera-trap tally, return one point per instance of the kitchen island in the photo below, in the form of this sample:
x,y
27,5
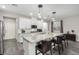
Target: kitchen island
x,y
30,41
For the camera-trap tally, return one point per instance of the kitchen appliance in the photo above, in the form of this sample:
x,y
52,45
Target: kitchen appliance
x,y
34,26
39,30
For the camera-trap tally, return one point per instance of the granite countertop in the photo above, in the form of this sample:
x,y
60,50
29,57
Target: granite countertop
x,y
36,37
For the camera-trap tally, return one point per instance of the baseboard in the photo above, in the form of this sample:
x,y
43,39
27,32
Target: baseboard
x,y
77,40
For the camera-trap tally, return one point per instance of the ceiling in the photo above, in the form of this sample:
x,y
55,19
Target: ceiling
x,y
62,10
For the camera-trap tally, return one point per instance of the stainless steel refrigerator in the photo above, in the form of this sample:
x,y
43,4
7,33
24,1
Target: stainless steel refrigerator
x,y
1,37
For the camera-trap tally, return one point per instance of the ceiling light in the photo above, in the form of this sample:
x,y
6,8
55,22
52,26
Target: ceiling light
x,y
31,14
3,6
39,13
54,17
39,16
53,12
40,5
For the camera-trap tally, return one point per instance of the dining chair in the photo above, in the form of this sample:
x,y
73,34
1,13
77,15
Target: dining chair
x,y
66,38
58,43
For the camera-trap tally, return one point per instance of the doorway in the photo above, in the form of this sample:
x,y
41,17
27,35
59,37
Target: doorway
x,y
9,28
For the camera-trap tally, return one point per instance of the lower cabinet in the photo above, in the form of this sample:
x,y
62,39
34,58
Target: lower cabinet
x,y
71,37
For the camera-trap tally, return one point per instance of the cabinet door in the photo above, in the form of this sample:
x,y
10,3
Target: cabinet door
x,y
73,37
10,28
1,38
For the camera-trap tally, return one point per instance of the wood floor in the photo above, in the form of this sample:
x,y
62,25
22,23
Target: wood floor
x,y
11,47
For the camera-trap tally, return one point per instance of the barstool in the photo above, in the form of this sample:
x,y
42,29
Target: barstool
x,y
44,47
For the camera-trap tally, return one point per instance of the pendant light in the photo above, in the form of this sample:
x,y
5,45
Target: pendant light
x,y
39,13
54,17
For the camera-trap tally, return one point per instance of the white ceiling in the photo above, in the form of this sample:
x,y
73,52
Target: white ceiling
x,y
62,10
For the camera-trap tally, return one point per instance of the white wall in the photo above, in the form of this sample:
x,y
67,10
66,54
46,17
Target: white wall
x,y
72,23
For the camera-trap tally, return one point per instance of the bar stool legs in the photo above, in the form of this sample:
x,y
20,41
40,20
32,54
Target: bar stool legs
x,y
51,50
67,42
59,49
36,51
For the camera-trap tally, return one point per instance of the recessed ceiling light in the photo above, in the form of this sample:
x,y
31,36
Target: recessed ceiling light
x,y
31,14
3,6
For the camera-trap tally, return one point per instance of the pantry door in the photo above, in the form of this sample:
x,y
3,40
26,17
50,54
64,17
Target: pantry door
x,y
9,28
